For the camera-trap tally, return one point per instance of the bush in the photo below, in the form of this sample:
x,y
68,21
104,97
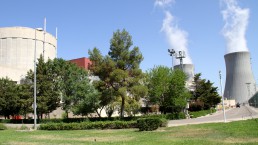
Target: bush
x,y
148,124
163,122
2,127
89,125
24,127
170,116
201,113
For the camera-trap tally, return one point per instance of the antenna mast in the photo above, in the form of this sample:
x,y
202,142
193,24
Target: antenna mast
x,y
45,29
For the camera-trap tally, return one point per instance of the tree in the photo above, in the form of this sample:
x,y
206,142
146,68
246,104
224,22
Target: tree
x,y
119,72
205,92
178,95
158,82
25,95
9,100
167,89
78,94
47,87
66,74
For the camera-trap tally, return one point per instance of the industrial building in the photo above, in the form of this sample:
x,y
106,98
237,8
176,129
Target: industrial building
x,y
17,49
188,69
82,62
240,83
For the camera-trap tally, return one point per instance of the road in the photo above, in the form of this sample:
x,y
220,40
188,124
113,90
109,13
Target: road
x,y
233,114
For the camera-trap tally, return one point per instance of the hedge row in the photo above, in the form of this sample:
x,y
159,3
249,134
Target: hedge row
x,y
196,114
144,124
171,116
89,125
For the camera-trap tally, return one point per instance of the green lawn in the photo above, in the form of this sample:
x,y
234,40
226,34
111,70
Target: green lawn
x,y
240,132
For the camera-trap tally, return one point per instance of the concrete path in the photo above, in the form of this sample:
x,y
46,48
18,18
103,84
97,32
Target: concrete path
x,y
18,126
242,113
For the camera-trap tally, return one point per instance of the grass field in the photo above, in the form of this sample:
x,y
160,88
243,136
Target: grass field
x,y
239,132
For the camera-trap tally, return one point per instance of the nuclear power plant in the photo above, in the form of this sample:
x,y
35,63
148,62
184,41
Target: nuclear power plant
x,y
17,49
240,83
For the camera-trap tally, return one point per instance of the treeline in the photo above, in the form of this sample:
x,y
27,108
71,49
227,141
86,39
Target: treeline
x,y
122,86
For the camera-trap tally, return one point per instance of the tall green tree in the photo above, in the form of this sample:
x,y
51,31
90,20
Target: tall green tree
x,y
167,89
24,92
178,93
205,92
77,93
119,72
66,74
47,87
158,82
9,100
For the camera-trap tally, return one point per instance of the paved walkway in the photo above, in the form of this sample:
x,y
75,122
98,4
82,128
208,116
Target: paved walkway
x,y
234,114
18,126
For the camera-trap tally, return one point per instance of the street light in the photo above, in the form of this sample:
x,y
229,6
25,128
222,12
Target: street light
x,y
248,89
180,56
171,53
35,81
224,114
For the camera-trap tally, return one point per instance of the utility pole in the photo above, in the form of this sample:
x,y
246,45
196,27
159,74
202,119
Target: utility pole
x,y
224,114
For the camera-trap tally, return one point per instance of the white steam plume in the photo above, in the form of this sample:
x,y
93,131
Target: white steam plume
x,y
177,38
236,21
163,3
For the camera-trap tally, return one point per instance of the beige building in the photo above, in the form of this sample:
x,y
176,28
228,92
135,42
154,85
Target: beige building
x,y
17,49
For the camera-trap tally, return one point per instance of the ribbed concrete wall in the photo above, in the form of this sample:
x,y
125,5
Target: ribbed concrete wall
x,y
238,73
188,70
17,45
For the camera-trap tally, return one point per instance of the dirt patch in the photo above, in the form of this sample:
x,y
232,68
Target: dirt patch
x,y
240,140
49,137
105,139
21,143
191,133
86,138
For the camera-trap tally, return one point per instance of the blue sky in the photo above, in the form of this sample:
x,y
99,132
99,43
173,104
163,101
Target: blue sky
x,y
85,24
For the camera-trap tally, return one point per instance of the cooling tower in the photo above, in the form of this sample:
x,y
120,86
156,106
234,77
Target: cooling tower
x,y
240,82
188,69
17,47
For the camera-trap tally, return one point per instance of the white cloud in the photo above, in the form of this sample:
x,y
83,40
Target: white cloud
x,y
236,21
163,3
176,37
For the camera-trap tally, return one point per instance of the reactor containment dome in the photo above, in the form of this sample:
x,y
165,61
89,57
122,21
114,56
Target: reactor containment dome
x,y
188,69
17,48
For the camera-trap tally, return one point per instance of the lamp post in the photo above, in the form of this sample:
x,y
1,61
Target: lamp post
x,y
224,114
248,96
171,53
35,81
181,55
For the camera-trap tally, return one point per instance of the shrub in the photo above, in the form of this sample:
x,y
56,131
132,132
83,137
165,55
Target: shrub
x,y
163,122
89,125
148,124
24,127
2,127
201,113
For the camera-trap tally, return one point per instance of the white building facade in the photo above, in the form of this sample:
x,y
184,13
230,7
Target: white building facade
x,y
17,49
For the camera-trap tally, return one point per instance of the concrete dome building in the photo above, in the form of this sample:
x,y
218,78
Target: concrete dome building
x,y
240,83
17,47
188,69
